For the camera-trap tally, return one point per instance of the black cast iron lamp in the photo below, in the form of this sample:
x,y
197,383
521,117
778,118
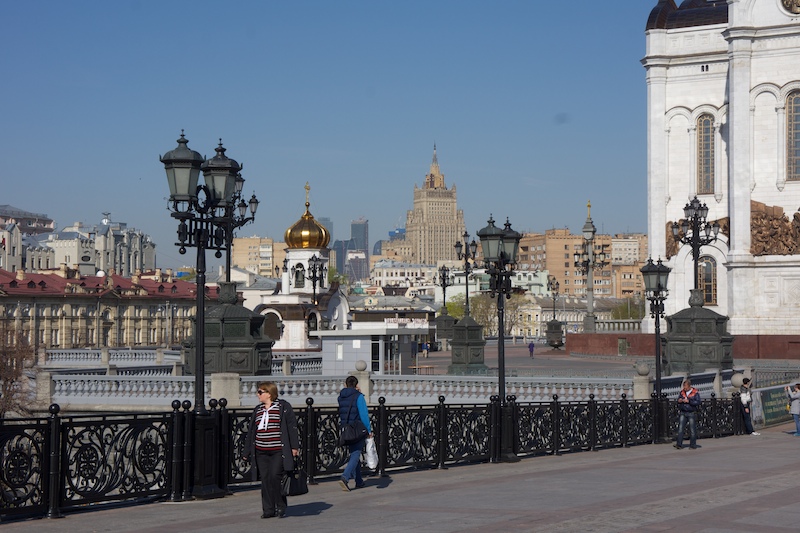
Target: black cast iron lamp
x,y
655,283
500,248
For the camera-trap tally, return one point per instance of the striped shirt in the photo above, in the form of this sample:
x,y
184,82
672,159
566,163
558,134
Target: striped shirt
x,y
268,433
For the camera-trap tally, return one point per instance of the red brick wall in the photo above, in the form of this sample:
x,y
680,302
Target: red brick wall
x,y
744,346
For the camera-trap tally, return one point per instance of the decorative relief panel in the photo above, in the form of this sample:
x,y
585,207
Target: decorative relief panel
x,y
771,231
791,292
792,6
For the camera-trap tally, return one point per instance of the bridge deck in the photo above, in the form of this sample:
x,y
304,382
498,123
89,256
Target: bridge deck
x,y
745,483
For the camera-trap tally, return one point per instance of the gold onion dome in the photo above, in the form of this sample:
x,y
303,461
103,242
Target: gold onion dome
x,y
307,232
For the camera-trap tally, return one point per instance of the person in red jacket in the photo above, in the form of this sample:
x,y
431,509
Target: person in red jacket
x,y
688,404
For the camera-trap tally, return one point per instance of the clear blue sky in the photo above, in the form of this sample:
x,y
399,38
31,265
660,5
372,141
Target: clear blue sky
x,y
535,107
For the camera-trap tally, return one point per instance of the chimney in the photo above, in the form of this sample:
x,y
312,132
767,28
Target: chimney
x,y
21,274
158,275
169,275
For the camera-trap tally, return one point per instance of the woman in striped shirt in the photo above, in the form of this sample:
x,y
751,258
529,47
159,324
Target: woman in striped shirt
x,y
274,442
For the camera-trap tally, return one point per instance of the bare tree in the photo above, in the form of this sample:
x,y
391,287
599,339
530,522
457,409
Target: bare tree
x,y
513,318
16,361
483,310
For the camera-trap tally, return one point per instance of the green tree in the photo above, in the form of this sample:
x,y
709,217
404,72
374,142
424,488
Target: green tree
x,y
335,277
455,306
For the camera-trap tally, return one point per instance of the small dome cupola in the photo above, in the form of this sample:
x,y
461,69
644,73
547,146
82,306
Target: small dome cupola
x,y
307,232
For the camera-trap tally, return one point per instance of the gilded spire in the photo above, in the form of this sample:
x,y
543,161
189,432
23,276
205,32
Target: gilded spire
x,y
589,209
435,178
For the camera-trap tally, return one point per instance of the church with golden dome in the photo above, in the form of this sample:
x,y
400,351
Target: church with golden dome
x,y
306,265
310,319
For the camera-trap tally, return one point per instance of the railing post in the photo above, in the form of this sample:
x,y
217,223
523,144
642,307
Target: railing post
x,y
177,452
508,442
737,424
310,442
516,417
494,428
626,425
188,436
442,434
383,436
592,423
225,447
556,425
656,405
54,479
714,416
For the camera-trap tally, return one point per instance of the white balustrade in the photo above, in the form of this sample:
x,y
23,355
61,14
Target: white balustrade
x,y
77,391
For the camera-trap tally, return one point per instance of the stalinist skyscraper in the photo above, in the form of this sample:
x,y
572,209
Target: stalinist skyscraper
x,y
435,223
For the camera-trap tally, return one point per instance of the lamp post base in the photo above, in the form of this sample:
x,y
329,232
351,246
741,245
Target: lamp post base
x,y
206,459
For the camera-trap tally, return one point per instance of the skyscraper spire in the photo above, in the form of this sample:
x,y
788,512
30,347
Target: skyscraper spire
x,y
435,178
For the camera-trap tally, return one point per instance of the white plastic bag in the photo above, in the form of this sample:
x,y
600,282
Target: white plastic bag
x,y
371,453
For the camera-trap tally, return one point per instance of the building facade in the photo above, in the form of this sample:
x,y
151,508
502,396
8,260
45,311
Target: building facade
x,y
435,223
254,254
67,310
723,124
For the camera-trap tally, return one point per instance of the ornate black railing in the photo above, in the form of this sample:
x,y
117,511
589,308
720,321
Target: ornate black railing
x,y
65,463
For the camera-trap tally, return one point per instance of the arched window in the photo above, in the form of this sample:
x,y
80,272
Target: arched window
x,y
707,279
793,136
705,154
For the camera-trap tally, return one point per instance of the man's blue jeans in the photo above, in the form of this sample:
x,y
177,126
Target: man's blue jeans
x,y
692,418
353,468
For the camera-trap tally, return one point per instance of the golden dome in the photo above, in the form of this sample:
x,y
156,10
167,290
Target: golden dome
x,y
307,232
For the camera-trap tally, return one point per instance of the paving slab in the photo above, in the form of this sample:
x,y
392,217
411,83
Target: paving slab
x,y
733,484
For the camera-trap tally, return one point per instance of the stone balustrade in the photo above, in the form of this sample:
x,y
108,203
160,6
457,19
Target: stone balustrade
x,y
130,392
617,326
91,357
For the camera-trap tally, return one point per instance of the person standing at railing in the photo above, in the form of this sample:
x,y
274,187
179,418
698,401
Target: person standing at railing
x,y
274,442
744,396
347,397
688,403
794,407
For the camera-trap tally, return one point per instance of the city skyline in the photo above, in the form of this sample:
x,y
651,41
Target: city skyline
x,y
533,110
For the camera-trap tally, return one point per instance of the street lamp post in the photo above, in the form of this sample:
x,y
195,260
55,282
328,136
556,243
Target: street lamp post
x,y
203,223
466,251
499,247
587,261
444,281
236,218
316,274
696,231
552,286
655,282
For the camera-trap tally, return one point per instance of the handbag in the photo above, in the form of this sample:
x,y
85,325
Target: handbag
x,y
294,483
354,431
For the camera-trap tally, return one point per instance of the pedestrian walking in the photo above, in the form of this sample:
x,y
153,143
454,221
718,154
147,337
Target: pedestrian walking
x,y
531,347
352,405
273,443
745,397
794,408
425,347
688,403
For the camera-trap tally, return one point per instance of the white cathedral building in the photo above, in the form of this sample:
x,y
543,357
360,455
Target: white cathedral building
x,y
723,122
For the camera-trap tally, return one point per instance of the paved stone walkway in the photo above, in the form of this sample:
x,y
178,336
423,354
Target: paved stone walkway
x,y
734,484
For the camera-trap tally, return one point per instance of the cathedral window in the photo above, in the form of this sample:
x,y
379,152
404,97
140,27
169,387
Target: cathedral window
x,y
793,137
705,154
707,279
